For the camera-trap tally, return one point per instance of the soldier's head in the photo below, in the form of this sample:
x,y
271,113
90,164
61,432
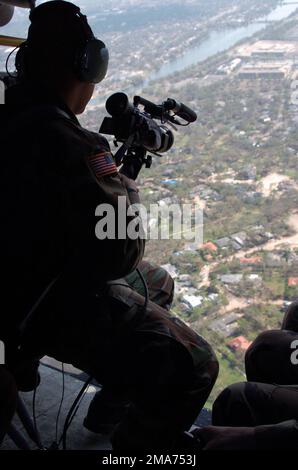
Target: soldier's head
x,y
62,53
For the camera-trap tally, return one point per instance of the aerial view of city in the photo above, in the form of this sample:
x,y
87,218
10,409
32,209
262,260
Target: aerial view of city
x,y
235,62
238,162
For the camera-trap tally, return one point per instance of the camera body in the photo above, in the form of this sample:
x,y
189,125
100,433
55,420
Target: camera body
x,y
128,121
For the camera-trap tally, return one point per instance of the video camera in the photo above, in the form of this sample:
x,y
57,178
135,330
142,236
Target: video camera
x,y
138,130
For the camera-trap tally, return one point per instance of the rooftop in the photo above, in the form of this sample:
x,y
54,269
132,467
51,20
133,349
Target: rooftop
x,y
286,47
239,343
293,281
209,246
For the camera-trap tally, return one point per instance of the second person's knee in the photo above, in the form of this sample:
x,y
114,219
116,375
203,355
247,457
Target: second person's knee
x,y
222,410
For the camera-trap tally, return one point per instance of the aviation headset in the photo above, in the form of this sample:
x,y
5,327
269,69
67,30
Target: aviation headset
x,y
91,59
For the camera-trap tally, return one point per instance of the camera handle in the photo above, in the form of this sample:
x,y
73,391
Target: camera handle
x,y
132,160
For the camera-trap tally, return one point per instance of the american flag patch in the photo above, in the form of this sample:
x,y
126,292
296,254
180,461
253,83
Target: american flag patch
x,y
102,164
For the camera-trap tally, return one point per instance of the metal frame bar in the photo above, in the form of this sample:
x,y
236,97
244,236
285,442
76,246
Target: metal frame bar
x,y
11,41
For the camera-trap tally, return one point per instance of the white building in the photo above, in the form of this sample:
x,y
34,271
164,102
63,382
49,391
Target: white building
x,y
193,300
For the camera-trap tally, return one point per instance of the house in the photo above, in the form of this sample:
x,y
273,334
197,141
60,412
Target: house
x,y
227,325
223,242
184,278
182,287
239,344
193,300
213,297
240,238
255,72
209,246
268,235
231,278
255,278
293,281
235,245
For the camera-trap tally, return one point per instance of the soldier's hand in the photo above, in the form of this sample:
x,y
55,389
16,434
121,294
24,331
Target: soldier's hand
x,y
226,438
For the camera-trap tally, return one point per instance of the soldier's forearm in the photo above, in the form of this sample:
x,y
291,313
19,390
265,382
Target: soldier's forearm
x,y
277,436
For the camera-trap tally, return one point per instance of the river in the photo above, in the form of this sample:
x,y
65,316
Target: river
x,y
219,41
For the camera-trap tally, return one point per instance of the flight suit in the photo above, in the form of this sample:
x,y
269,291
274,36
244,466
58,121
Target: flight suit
x,y
160,283
85,313
269,400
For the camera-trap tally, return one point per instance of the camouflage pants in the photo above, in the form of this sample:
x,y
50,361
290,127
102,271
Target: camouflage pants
x,y
271,394
159,282
155,371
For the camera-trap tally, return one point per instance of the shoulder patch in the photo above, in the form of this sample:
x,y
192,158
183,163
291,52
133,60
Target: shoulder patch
x,y
102,164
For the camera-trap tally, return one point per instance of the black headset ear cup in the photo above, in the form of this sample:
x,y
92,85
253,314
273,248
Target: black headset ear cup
x,y
91,63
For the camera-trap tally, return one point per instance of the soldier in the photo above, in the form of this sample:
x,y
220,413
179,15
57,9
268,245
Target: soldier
x,y
263,412
82,309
